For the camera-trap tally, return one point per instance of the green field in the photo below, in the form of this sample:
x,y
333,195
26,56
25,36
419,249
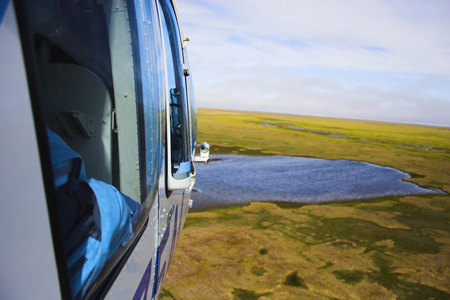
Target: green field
x,y
390,248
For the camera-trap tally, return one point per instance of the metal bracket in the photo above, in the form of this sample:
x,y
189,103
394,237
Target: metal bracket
x,y
84,122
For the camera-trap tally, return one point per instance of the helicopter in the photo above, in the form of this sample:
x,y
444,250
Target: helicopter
x,y
98,124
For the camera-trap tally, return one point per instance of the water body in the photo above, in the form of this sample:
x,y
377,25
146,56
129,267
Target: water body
x,y
238,179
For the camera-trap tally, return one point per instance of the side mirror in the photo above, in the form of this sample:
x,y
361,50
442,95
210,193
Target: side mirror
x,y
204,153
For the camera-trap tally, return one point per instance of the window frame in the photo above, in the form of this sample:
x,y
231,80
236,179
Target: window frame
x,y
170,28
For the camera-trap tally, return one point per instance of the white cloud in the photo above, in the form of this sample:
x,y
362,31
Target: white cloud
x,y
255,54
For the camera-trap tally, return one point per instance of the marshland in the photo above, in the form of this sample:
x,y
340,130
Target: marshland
x,y
389,247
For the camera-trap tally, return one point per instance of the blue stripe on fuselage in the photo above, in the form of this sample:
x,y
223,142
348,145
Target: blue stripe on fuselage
x,y
144,285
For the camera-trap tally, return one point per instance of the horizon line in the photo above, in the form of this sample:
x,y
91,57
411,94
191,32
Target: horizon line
x,y
334,117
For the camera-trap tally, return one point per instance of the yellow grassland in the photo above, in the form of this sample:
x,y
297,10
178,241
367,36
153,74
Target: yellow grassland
x,y
390,248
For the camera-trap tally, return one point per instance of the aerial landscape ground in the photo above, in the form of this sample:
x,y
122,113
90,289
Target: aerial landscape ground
x,y
388,248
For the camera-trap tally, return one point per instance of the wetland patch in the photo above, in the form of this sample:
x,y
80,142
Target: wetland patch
x,y
340,136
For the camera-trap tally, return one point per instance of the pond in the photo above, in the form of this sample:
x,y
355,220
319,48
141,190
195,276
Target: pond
x,y
239,179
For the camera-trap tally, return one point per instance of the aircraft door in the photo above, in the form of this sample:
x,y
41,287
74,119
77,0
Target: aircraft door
x,y
178,125
174,196
147,59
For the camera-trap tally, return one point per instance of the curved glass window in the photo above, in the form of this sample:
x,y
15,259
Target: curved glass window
x,y
100,74
149,77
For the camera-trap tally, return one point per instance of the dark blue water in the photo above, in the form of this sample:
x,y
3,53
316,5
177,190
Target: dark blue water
x,y
237,179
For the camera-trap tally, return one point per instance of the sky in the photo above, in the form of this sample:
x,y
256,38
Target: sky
x,y
385,60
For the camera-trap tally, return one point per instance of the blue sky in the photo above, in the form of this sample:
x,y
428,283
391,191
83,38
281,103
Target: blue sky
x,y
374,59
